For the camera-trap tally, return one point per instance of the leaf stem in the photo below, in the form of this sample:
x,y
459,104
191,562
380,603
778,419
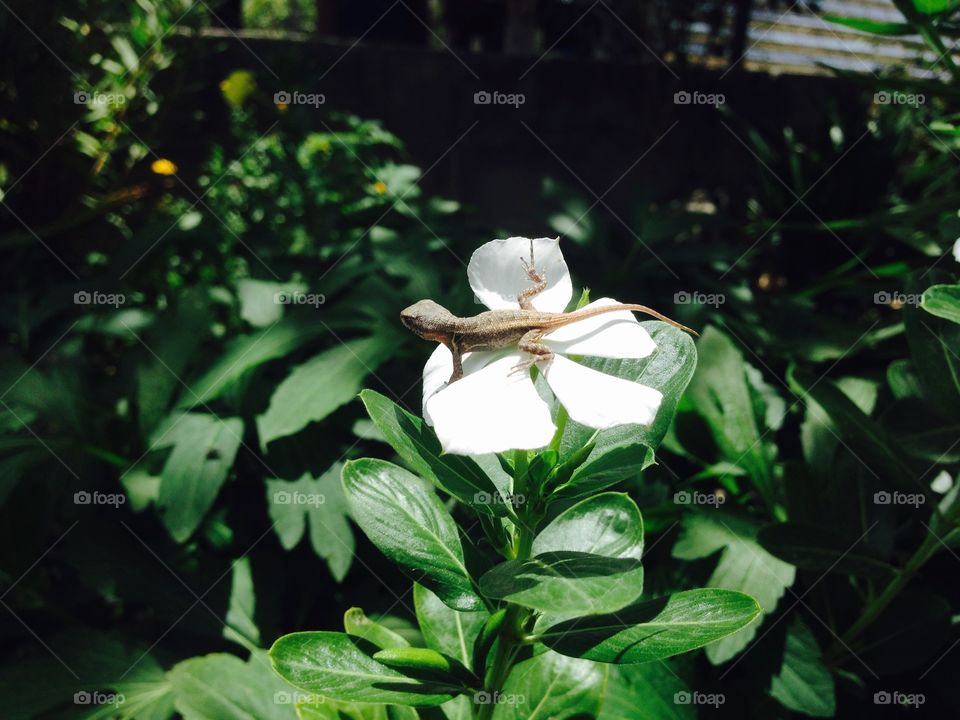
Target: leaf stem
x,y
876,607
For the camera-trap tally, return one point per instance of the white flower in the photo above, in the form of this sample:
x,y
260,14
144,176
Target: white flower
x,y
956,250
492,408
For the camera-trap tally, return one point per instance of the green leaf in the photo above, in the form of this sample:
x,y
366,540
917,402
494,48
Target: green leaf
x,y
872,26
356,623
744,565
942,301
721,394
240,624
339,666
564,583
411,526
654,629
932,7
650,688
817,548
613,466
224,687
418,446
864,437
244,353
608,524
804,683
669,370
934,344
445,629
204,447
320,502
259,304
548,686
318,387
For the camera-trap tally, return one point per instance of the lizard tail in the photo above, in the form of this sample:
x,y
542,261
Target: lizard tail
x,y
590,312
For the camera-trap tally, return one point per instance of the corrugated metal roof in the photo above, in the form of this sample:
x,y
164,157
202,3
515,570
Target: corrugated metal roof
x,y
799,40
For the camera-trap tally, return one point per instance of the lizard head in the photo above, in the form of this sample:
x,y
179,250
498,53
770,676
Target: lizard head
x,y
427,319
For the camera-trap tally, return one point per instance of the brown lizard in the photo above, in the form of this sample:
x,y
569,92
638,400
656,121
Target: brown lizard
x,y
496,329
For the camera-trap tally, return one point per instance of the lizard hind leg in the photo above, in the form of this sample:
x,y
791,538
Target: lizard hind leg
x,y
539,280
531,343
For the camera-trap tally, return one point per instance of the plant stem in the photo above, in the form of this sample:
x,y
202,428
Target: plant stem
x,y
903,576
512,633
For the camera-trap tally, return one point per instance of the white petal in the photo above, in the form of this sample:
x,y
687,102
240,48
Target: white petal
x,y
439,367
611,335
497,275
491,410
598,400
956,250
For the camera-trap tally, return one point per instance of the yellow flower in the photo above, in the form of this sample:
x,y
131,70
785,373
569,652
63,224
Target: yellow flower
x,y
163,166
237,87
379,187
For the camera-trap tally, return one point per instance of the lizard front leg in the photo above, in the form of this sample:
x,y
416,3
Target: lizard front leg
x,y
531,343
539,280
457,354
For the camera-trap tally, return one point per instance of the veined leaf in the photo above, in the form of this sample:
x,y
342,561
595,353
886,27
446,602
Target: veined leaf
x,y
804,683
341,667
445,629
744,565
204,447
549,686
318,387
942,301
564,583
608,524
654,629
411,526
418,446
